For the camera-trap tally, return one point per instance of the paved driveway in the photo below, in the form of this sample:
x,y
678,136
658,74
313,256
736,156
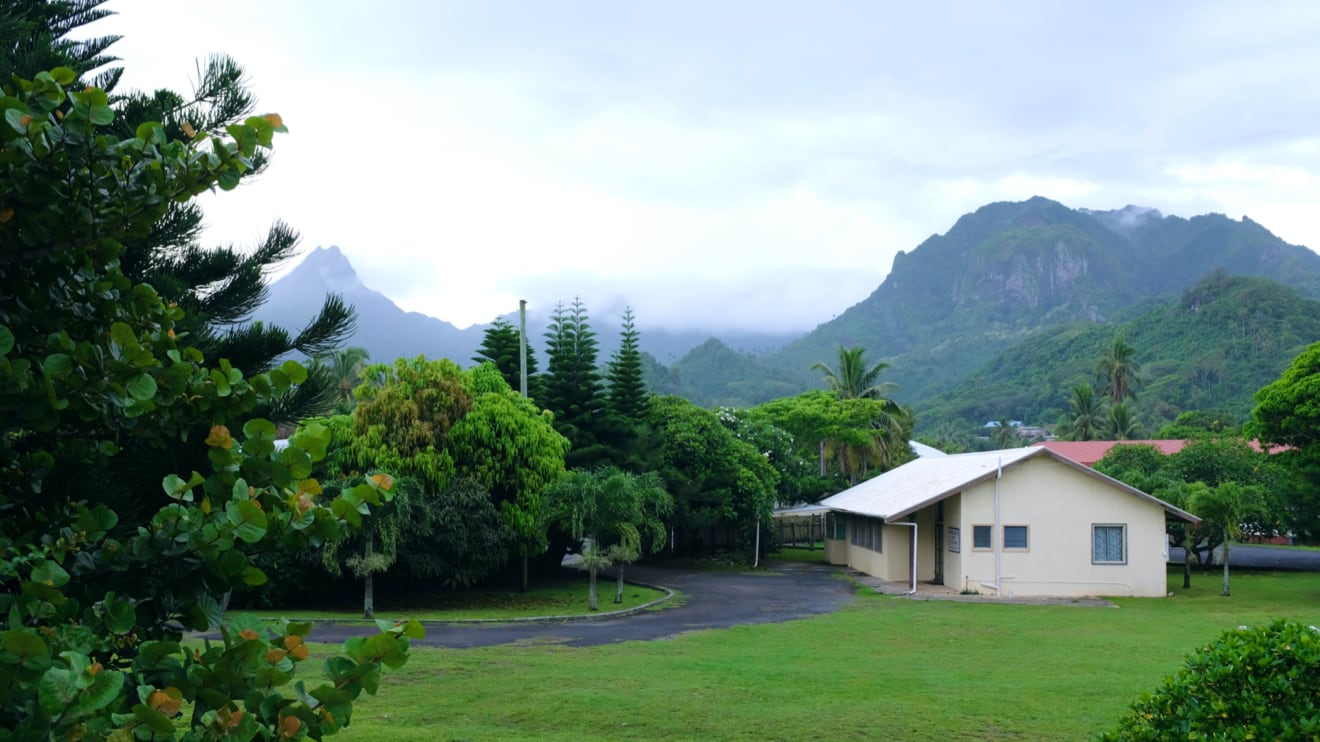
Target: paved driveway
x,y
714,600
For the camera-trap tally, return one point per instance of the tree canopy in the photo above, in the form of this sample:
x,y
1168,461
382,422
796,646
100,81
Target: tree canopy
x,y
97,596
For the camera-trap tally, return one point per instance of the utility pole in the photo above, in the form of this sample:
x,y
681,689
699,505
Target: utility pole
x,y
522,346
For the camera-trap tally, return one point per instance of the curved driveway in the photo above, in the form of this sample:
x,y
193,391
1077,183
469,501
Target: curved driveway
x,y
712,600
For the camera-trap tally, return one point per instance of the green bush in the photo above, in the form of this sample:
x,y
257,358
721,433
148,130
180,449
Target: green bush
x,y
1261,683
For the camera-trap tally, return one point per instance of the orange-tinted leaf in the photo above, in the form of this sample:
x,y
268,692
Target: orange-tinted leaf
x,y
220,437
383,481
275,120
6,214
310,486
188,130
289,726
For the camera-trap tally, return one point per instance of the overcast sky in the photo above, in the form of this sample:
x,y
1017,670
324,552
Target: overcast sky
x,y
732,164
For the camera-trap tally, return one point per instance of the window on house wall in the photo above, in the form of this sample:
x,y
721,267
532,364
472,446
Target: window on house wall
x,y
835,527
1015,537
1108,544
981,537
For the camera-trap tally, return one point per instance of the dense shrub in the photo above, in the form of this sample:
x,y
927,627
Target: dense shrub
x,y
1261,683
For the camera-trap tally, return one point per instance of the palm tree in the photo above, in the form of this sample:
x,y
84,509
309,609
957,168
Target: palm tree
x,y
1122,424
345,366
1085,414
872,429
1005,436
853,380
1119,371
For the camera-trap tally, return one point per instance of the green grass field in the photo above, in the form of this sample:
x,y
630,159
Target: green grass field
x,y
883,668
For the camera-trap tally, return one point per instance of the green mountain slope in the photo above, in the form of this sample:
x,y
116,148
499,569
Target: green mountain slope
x,y
1212,348
1008,272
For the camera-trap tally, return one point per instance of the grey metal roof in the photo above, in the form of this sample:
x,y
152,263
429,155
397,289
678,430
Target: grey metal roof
x,y
923,481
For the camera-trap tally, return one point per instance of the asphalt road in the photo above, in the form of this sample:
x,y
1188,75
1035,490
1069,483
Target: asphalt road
x,y
713,600
1262,557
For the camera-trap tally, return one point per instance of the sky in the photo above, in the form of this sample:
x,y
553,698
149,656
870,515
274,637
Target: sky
x,y
731,165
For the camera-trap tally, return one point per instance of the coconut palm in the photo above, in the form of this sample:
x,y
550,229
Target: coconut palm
x,y
1085,419
1119,371
866,436
1122,424
853,379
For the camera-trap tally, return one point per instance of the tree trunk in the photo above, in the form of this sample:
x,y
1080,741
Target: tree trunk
x,y
618,586
522,585
1226,568
1187,563
591,590
822,457
368,586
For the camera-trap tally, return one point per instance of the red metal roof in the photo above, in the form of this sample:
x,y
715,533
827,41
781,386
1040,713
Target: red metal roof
x,y
1089,452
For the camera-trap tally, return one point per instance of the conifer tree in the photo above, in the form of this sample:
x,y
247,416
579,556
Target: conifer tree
x,y
500,346
573,389
627,396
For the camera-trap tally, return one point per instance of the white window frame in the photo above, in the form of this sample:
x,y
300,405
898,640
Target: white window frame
x,y
1123,543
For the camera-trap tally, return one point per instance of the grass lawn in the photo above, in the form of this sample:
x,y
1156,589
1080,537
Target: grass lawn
x,y
564,596
883,668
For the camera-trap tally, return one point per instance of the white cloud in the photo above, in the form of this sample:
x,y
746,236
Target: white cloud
x,y
749,164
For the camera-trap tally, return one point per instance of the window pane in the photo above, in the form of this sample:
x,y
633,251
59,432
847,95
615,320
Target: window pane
x,y
1015,537
980,537
1108,544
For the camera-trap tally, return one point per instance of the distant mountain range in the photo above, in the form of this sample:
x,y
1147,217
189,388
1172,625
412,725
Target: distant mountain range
x,y
1012,285
388,332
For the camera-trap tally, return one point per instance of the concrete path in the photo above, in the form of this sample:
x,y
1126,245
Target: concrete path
x,y
711,600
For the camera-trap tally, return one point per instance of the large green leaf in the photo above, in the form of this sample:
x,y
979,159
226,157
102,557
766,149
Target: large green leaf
x,y
142,387
58,690
249,520
6,340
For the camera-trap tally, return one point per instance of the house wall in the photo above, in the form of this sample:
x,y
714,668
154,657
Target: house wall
x,y
1059,506
953,570
891,562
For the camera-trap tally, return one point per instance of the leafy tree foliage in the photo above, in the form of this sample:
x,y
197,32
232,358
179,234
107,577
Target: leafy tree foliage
x,y
96,600
458,432
573,388
1288,410
1199,424
1250,683
716,479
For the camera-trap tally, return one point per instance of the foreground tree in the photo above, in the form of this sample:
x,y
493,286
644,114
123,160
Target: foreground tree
x,y
482,452
1226,508
1250,683
616,515
97,600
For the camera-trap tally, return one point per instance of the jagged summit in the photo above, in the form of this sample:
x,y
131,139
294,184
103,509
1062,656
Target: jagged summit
x,y
331,269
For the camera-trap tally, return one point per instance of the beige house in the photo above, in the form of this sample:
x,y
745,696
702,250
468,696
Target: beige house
x,y
1017,522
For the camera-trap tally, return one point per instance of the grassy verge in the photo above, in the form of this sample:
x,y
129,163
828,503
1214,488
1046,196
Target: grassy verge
x,y
883,668
561,597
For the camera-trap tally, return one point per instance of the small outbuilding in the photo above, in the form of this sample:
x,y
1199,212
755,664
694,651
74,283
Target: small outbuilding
x,y
1016,522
